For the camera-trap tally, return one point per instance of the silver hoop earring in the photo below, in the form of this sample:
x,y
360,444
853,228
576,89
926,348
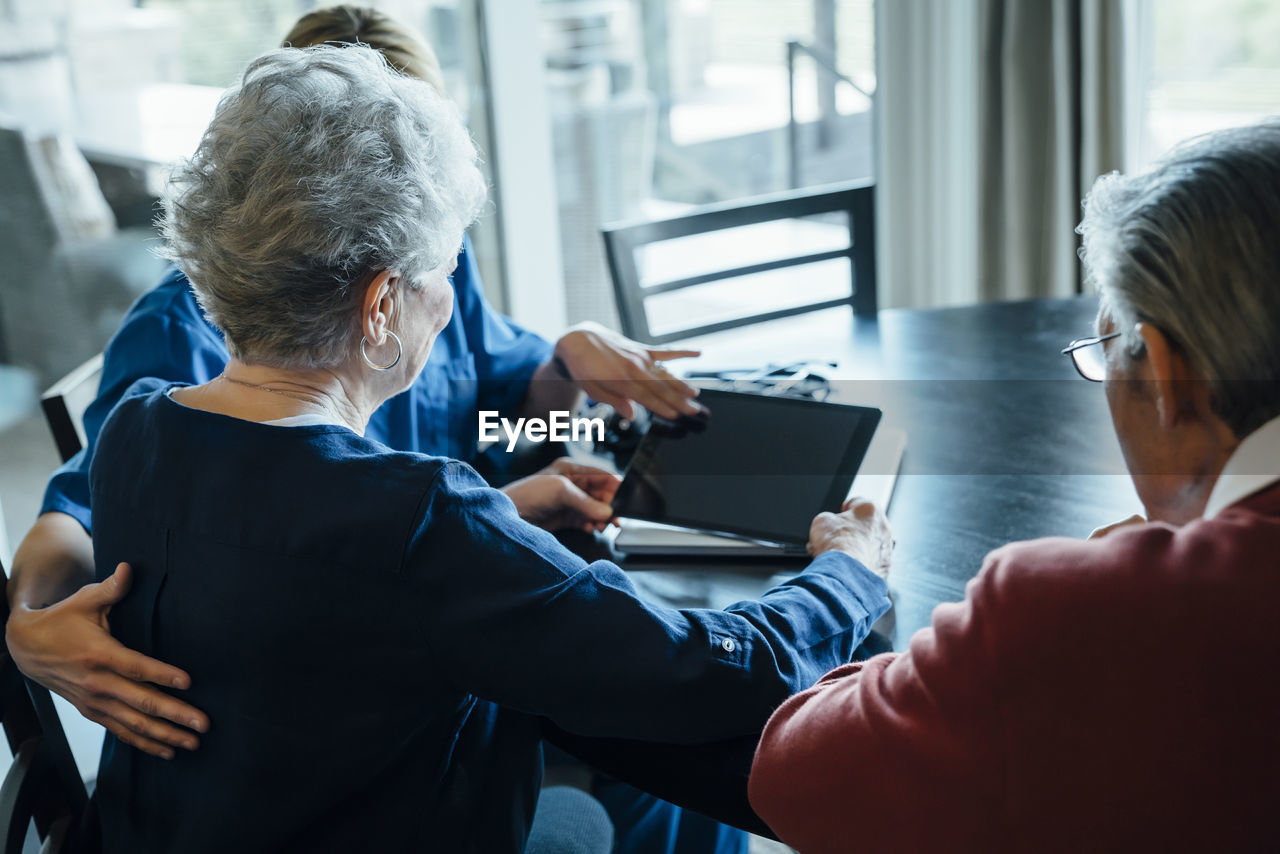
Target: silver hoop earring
x,y
389,365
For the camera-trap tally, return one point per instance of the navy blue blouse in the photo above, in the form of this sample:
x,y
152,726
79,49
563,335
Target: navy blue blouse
x,y
372,633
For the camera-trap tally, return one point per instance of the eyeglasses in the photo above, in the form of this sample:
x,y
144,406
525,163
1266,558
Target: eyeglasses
x,y
1091,362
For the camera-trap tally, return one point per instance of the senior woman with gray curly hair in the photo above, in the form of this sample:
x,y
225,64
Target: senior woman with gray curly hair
x,y
315,583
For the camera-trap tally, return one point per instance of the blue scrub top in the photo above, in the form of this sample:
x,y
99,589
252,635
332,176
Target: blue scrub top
x,y
481,360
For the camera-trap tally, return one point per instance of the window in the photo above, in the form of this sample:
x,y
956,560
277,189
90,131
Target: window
x,y
657,106
1204,66
182,53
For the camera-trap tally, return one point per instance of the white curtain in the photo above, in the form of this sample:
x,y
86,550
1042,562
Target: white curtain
x,y
1050,99
995,116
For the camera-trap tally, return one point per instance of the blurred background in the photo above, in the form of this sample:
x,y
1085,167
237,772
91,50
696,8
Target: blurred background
x,y
596,111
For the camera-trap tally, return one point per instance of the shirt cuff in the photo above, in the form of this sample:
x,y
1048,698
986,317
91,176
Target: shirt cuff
x,y
871,591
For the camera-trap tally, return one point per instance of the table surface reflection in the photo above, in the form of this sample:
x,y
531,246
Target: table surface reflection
x,y
1005,442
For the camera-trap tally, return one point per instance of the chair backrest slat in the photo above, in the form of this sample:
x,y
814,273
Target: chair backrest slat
x,y
746,270
43,784
65,402
16,795
623,240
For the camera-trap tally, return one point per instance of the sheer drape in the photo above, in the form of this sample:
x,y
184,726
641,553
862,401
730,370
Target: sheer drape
x,y
995,116
1050,101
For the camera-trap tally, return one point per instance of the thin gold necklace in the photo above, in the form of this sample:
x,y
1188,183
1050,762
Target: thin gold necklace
x,y
293,394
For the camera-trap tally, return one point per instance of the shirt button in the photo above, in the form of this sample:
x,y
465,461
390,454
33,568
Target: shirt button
x,y
727,644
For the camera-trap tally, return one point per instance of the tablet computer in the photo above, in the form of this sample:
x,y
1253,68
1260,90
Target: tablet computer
x,y
756,466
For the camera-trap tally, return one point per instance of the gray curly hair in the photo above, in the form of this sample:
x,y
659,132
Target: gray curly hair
x,y
323,165
1193,248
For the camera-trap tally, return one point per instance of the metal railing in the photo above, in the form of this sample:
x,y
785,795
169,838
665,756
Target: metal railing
x,y
827,63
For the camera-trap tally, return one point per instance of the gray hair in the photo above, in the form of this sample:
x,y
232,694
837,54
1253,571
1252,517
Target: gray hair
x,y
1193,248
322,166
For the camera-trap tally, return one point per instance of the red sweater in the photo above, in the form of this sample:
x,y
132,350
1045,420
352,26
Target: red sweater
x,y
1120,694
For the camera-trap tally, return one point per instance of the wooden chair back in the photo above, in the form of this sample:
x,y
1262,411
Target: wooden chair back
x,y
65,402
43,785
622,242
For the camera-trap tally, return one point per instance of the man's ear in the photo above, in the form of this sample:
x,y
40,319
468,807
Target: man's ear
x,y
379,305
1178,392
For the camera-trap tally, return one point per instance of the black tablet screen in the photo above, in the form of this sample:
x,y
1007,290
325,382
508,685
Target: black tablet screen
x,y
758,466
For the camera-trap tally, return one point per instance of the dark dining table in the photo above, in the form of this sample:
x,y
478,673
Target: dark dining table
x,y
1005,442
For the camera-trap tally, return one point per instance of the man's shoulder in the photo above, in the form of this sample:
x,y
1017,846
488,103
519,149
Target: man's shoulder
x,y
1141,555
1051,585
1220,545
1144,574
1069,560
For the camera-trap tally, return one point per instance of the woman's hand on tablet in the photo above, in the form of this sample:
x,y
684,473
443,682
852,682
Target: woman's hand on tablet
x,y
860,530
565,494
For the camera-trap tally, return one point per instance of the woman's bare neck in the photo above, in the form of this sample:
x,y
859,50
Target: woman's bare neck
x,y
262,394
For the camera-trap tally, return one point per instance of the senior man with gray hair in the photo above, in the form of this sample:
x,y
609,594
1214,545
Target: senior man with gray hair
x,y
1117,693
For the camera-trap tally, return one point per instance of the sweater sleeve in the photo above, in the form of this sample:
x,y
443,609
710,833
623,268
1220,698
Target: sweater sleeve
x,y
898,753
